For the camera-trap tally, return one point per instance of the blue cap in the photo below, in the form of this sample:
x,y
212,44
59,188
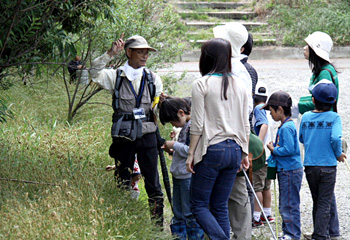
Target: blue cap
x,y
325,91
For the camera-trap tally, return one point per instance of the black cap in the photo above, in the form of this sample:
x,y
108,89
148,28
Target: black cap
x,y
278,98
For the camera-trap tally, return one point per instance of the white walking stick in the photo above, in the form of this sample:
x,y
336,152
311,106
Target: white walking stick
x,y
347,164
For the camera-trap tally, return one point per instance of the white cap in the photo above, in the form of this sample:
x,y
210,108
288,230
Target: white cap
x,y
321,43
233,32
261,92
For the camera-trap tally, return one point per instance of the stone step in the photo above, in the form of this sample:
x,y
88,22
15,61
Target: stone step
x,y
204,25
212,5
222,15
209,33
258,42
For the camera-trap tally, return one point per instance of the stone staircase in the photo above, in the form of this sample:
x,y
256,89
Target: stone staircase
x,y
200,17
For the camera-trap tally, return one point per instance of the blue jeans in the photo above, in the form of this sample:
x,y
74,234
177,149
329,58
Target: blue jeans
x,y
321,182
211,186
333,220
289,201
181,201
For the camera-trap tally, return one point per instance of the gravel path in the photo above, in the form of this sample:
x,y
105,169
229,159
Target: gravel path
x,y
293,76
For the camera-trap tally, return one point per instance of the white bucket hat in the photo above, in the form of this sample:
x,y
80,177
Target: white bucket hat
x,y
321,43
261,93
138,42
233,32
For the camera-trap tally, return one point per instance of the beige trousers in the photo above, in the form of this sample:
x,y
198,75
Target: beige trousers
x,y
240,211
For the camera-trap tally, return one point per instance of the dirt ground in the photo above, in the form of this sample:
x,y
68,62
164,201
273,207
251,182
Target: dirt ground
x,y
293,76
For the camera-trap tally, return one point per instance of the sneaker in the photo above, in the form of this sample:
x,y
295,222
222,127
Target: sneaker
x,y
257,224
307,236
335,237
285,237
269,218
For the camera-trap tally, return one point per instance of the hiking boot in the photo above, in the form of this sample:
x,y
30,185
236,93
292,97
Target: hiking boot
x,y
257,224
269,218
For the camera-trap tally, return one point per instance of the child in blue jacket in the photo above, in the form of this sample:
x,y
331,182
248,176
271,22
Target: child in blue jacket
x,y
286,152
321,132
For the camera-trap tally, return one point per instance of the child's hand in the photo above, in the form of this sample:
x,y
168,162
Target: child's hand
x,y
168,146
342,157
136,178
172,134
110,168
162,97
270,146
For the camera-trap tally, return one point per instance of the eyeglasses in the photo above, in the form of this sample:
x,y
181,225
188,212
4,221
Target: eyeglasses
x,y
142,52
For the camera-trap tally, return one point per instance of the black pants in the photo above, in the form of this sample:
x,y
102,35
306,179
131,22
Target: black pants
x,y
147,157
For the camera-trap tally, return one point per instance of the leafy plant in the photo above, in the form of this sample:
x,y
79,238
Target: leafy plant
x,y
5,112
332,17
39,31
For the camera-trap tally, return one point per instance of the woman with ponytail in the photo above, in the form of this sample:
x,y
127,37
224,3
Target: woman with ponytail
x,y
219,137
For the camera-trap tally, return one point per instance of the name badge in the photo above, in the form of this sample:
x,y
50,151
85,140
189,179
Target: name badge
x,y
139,113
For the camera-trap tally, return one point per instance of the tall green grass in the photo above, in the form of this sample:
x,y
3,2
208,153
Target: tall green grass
x,y
40,145
294,22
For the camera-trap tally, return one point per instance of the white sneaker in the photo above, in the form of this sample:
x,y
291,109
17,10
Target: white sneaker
x,y
308,236
285,237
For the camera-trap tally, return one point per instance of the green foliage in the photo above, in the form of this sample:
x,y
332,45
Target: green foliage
x,y
171,83
83,27
156,21
5,112
295,24
39,30
39,145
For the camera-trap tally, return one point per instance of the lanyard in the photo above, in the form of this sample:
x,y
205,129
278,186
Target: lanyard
x,y
139,96
277,135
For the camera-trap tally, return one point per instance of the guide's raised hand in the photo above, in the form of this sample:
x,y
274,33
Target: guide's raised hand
x,y
117,46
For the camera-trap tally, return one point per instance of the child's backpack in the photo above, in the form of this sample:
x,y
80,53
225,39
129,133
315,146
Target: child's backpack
x,y
257,150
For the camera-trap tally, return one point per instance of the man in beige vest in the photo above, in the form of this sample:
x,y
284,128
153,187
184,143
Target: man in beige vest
x,y
134,126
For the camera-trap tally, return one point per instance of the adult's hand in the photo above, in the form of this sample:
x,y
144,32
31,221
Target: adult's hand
x,y
116,47
189,163
245,163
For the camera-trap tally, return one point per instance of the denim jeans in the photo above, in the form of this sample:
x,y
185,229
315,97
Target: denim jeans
x,y
321,182
181,201
289,201
333,220
211,186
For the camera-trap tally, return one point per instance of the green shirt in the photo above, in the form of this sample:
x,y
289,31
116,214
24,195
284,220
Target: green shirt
x,y
324,74
305,103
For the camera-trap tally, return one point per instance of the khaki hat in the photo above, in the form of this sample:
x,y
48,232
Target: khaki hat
x,y
137,42
321,43
233,32
278,98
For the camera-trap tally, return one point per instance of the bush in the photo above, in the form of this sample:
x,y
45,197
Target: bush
x,y
295,23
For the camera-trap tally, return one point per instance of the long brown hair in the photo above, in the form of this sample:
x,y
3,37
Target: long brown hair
x,y
216,58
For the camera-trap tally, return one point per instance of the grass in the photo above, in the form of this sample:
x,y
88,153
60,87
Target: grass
x,y
294,23
39,145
